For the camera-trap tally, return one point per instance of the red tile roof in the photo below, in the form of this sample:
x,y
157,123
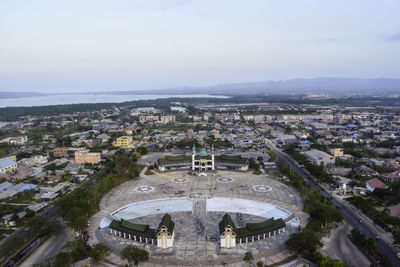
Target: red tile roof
x,y
376,183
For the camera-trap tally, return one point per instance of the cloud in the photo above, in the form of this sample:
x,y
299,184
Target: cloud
x,y
168,4
326,40
393,38
321,41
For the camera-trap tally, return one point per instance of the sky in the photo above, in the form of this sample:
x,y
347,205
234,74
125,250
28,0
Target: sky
x,y
102,45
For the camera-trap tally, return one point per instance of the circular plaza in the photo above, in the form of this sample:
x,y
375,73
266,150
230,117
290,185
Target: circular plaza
x,y
196,205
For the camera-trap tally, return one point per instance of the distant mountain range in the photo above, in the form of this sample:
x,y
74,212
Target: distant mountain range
x,y
377,86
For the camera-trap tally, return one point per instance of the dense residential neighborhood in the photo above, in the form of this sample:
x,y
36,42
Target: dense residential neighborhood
x,y
354,154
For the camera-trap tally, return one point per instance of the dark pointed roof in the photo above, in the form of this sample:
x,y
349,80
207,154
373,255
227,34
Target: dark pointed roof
x,y
167,222
131,228
225,222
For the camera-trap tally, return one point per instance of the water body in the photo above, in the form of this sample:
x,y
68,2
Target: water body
x,y
86,98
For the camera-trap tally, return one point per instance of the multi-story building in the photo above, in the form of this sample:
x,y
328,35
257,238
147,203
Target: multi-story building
x,y
61,152
124,142
148,118
85,157
166,119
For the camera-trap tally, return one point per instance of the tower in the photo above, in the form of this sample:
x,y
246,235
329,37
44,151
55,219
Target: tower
x,y
212,156
193,155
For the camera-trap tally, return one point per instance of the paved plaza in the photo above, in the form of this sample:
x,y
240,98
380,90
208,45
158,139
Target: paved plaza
x,y
196,229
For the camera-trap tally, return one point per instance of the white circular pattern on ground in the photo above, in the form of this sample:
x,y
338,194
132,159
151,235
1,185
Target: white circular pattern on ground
x,y
180,180
225,180
144,189
262,188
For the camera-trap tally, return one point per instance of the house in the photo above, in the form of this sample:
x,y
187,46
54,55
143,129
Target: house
x,y
339,171
392,176
375,183
365,171
336,152
8,166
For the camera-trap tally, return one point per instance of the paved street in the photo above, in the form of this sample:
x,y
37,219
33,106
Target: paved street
x,y
339,246
351,218
48,249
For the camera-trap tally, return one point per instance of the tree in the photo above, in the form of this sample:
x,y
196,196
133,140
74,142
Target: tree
x,y
63,259
99,252
305,242
260,264
135,255
248,257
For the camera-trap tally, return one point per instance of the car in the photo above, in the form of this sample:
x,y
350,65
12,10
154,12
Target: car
x,y
398,255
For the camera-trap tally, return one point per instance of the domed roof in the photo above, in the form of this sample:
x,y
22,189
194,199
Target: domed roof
x,y
203,153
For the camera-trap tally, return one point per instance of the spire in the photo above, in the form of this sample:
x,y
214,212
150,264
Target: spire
x,y
194,150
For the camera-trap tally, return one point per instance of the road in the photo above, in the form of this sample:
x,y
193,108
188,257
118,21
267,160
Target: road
x,y
49,248
339,246
350,217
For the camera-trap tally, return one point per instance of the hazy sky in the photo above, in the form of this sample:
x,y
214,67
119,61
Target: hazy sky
x,y
86,45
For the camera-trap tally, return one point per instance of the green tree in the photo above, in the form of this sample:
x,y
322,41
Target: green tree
x,y
248,257
135,255
63,259
260,264
305,242
99,252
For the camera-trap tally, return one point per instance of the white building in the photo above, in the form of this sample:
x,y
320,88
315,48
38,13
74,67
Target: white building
x,y
166,119
8,166
317,157
165,233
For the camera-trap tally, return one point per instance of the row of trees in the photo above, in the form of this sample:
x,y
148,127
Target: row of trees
x,y
74,251
76,208
369,247
33,228
381,218
317,171
323,216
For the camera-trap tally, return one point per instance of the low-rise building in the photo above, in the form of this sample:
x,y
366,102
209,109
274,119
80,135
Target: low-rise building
x,y
8,166
317,157
375,183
